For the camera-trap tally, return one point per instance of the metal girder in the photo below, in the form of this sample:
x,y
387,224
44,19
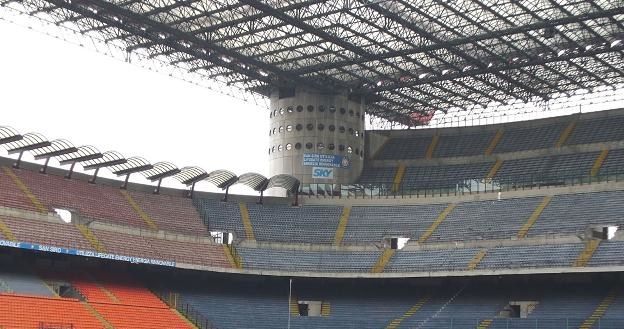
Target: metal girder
x,y
403,57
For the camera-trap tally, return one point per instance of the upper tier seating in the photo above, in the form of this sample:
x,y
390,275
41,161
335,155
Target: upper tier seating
x,y
377,176
47,233
614,163
221,216
444,176
11,196
598,130
371,224
180,252
171,213
530,138
102,203
463,145
405,148
552,168
305,224
18,312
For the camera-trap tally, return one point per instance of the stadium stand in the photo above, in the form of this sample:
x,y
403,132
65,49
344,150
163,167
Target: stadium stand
x,y
405,148
23,283
519,139
598,130
463,145
47,233
16,312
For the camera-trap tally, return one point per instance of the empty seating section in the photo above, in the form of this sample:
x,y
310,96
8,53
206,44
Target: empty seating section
x,y
11,196
305,224
598,130
126,303
574,213
372,223
552,168
377,176
241,306
308,261
92,201
171,213
47,233
530,138
491,219
614,163
183,252
556,306
25,312
23,283
463,145
221,216
557,255
405,148
431,260
608,253
444,176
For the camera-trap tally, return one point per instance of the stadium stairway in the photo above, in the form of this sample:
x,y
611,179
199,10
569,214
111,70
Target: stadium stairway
x,y
565,134
494,170
534,217
244,212
485,324
601,309
432,146
397,322
6,231
599,162
585,256
383,260
474,262
138,210
233,258
398,178
342,225
495,140
90,236
441,217
38,206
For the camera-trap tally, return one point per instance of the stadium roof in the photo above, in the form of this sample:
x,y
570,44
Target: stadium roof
x,y
407,59
91,159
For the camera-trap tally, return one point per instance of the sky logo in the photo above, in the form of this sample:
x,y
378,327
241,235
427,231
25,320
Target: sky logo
x,y
322,173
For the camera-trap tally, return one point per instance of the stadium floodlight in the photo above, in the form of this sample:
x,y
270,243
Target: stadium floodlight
x,y
8,135
160,171
84,153
57,148
108,159
222,179
190,176
28,142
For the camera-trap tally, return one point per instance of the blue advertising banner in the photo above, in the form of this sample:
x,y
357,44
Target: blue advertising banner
x,y
326,160
85,253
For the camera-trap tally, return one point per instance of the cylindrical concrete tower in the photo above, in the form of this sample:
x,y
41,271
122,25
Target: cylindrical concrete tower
x,y
315,137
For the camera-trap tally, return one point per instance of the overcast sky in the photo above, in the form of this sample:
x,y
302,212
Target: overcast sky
x,y
66,91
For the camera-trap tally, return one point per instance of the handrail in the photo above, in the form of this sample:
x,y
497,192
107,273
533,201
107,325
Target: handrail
x,y
457,187
186,309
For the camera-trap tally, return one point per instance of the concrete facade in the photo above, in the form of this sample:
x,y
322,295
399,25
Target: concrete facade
x,y
313,123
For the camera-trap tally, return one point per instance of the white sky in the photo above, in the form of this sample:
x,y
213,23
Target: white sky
x,y
66,91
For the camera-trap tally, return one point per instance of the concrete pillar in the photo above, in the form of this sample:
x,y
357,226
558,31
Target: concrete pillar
x,y
321,127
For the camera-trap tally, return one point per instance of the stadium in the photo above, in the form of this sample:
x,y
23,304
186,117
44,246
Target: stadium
x,y
438,164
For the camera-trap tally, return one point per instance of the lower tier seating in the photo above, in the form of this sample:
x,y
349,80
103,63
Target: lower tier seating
x,y
26,312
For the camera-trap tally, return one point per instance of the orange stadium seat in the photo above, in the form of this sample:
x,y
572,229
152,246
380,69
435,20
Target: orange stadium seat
x,y
26,312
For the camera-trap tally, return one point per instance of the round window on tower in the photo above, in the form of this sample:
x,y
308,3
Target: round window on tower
x,y
299,108
288,147
309,145
309,126
289,128
310,108
298,146
299,127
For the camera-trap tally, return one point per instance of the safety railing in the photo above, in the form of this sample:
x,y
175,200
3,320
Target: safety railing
x,y
197,318
456,187
499,323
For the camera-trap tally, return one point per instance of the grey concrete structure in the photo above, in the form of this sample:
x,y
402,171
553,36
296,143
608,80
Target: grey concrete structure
x,y
312,123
